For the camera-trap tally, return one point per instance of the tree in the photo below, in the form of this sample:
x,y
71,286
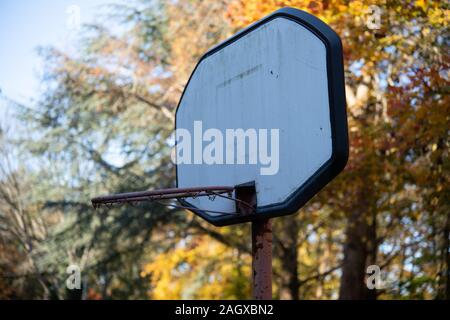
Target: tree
x,y
374,193
103,125
22,228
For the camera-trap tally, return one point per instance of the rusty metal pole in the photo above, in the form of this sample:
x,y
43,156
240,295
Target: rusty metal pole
x,y
261,242
262,259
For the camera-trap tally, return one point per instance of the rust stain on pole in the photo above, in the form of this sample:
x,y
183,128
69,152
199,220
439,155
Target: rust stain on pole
x,y
262,259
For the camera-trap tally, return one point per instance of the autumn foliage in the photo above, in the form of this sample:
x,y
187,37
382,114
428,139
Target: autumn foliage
x,y
116,98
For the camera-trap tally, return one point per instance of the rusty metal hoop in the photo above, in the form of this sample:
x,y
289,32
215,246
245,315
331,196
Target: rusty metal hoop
x,y
173,194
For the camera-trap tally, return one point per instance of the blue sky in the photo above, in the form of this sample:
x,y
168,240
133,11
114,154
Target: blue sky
x,y
27,24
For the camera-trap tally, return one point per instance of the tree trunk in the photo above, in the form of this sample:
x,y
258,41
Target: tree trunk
x,y
444,279
291,266
372,249
287,241
352,285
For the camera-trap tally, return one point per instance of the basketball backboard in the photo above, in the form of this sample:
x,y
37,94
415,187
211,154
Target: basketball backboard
x,y
265,107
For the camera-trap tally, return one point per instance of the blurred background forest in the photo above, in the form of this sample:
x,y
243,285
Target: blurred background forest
x,y
103,121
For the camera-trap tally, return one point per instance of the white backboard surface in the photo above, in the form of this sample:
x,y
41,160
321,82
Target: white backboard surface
x,y
274,77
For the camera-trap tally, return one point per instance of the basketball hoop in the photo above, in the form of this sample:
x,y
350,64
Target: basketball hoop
x,y
158,196
285,74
